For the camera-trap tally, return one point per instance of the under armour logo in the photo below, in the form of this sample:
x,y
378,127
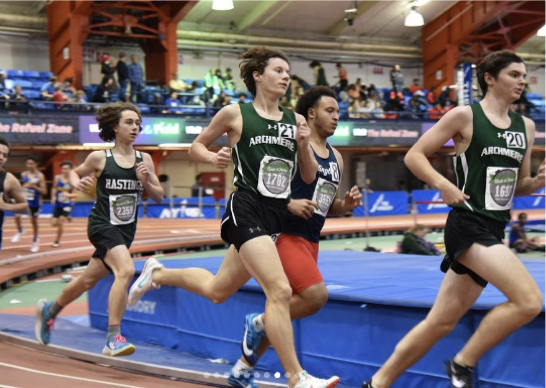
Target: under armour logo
x,y
256,229
271,126
503,135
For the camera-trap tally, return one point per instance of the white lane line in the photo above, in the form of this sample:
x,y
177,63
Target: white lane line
x,y
7,386
64,376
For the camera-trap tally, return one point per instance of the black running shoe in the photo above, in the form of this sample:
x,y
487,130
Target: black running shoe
x,y
460,376
367,384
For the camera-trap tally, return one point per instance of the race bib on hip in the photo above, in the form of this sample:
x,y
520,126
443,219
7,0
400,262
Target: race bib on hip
x,y
274,177
30,194
324,195
500,187
123,208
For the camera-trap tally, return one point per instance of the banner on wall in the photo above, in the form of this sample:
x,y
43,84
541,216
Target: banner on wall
x,y
25,129
155,131
384,203
429,196
375,133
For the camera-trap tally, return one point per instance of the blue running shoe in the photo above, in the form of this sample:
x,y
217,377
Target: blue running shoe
x,y
118,346
252,339
44,324
245,380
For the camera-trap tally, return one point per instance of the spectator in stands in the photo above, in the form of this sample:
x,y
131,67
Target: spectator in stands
x,y
177,85
366,109
123,76
416,106
58,96
4,91
136,77
415,86
102,94
49,88
68,89
518,239
108,70
343,95
173,104
319,74
213,84
285,102
198,190
377,111
342,75
353,110
228,79
414,242
431,96
436,112
242,98
397,78
17,100
395,102
157,105
80,102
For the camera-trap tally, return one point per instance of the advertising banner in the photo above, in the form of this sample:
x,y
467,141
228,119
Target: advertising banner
x,y
30,130
384,203
429,196
376,133
529,202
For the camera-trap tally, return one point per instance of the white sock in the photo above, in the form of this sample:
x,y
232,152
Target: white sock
x,y
240,368
258,322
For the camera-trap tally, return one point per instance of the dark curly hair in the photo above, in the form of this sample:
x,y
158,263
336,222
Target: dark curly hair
x,y
311,98
493,63
108,117
4,141
256,59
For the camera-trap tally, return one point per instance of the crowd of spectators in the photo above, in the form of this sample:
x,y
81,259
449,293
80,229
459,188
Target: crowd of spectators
x,y
126,82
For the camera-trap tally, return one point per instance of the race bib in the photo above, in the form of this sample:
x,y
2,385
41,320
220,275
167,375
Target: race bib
x,y
324,195
274,177
500,187
30,194
63,198
123,208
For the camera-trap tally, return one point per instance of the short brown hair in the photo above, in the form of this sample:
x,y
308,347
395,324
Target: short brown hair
x,y
256,59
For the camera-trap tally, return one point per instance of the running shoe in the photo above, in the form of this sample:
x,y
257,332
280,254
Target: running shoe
x,y
244,380
460,376
17,237
44,324
144,283
35,246
308,381
252,339
117,346
367,384
56,244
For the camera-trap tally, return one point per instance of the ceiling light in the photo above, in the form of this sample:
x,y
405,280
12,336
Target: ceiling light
x,y
542,31
414,19
222,5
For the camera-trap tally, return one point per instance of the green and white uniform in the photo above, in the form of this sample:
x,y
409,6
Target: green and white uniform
x,y
488,170
265,155
265,161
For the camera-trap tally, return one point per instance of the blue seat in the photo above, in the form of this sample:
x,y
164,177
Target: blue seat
x,y
15,74
143,108
45,74
37,85
32,94
31,74
23,83
9,84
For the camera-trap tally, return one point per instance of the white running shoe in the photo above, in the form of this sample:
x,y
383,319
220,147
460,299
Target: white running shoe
x,y
308,381
144,283
17,237
35,246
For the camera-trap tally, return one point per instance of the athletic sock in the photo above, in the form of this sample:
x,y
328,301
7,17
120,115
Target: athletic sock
x,y
54,309
113,331
240,368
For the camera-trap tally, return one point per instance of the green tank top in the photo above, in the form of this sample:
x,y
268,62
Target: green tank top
x,y
488,170
118,194
265,155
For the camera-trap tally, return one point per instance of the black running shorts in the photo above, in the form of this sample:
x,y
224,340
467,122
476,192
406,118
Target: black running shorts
x,y
106,239
464,228
249,215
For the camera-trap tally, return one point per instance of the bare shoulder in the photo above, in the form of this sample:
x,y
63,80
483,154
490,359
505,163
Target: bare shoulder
x,y
10,181
460,113
529,124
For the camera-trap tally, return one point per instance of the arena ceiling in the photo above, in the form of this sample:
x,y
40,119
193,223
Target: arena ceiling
x,y
373,30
